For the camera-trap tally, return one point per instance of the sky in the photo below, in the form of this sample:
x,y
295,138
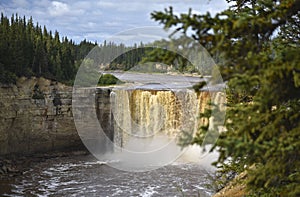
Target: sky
x,y
98,20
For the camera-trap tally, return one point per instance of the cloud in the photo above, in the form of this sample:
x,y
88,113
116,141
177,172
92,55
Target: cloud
x,y
112,23
99,19
20,3
58,8
106,4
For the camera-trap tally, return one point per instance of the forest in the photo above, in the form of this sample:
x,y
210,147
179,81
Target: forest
x,y
28,49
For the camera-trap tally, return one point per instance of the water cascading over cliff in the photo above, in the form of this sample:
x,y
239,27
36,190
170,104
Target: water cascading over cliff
x,y
140,127
149,113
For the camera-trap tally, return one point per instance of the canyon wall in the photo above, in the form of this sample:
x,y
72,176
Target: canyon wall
x,y
36,116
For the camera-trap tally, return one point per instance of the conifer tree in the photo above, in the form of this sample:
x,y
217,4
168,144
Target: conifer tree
x,y
262,70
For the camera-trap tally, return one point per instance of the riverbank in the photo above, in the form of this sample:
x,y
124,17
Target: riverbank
x,y
235,188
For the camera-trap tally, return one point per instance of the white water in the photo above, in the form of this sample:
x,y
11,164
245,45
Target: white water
x,y
85,176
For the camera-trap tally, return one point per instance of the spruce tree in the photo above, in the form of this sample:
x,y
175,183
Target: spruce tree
x,y
262,70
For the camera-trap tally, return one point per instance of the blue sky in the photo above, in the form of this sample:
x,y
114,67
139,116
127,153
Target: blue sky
x,y
97,20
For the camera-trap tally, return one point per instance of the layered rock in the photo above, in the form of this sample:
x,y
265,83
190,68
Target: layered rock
x,y
36,116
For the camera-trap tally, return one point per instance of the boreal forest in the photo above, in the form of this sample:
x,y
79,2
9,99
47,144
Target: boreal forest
x,y
28,49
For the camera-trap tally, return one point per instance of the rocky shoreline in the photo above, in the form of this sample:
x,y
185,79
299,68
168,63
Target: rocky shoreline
x,y
235,188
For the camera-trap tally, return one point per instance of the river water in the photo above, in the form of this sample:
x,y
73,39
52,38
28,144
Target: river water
x,y
86,176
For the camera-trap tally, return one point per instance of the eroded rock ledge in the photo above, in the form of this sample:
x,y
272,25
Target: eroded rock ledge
x,y
36,116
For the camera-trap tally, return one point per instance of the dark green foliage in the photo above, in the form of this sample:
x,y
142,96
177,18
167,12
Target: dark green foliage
x,y
30,50
263,90
144,58
37,93
126,57
141,58
176,52
199,85
108,79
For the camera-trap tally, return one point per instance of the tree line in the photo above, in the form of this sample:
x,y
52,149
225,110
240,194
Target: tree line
x,y
28,49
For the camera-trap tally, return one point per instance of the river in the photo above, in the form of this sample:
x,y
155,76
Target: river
x,y
86,176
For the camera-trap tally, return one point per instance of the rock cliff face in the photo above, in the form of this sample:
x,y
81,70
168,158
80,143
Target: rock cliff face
x,y
36,116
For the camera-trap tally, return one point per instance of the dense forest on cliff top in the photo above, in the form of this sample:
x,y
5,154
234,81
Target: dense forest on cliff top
x,y
28,49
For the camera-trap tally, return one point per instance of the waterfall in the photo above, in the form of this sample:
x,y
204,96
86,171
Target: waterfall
x,y
145,113
143,127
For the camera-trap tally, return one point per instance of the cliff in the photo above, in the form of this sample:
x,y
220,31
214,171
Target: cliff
x,y
36,116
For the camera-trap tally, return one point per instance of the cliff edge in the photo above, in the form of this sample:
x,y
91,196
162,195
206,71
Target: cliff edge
x,y
36,116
